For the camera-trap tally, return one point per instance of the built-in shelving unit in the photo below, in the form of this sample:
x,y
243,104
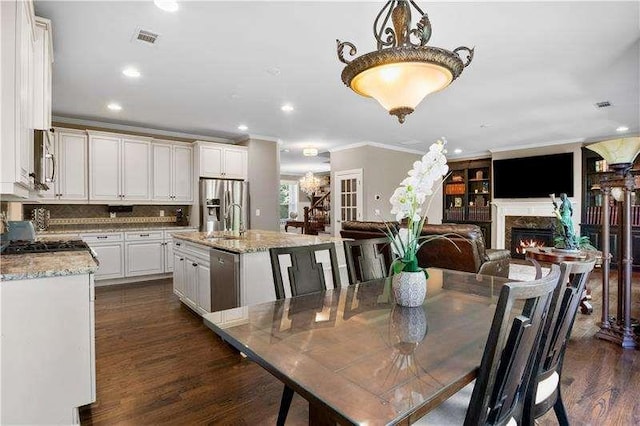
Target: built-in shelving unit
x,y
467,195
593,168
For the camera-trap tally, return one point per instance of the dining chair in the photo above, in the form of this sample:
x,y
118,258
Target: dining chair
x,y
367,259
306,275
544,392
497,397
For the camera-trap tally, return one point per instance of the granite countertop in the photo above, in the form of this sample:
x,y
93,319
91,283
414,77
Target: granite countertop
x,y
41,265
253,240
90,229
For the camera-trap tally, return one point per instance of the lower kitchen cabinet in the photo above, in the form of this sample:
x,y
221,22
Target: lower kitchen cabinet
x,y
191,276
48,345
144,258
109,249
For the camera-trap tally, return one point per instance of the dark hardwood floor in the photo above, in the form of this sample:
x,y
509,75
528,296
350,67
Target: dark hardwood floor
x,y
158,364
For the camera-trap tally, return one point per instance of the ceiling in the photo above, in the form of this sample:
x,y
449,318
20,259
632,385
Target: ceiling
x,y
538,70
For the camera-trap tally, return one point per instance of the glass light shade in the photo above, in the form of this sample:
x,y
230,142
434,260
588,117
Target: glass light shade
x,y
618,151
401,84
617,193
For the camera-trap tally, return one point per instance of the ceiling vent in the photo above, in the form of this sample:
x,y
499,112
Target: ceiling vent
x,y
603,104
145,36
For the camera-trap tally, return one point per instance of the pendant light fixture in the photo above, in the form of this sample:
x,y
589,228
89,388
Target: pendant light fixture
x,y
403,69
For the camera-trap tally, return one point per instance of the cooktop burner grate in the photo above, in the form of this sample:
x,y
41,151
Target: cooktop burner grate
x,y
24,247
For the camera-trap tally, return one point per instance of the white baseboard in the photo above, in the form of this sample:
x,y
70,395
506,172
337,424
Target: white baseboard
x,y
129,280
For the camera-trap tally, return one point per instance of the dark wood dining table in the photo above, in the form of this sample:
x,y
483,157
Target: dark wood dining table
x,y
359,358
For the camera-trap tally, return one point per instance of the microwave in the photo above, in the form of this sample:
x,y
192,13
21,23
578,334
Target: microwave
x,y
43,153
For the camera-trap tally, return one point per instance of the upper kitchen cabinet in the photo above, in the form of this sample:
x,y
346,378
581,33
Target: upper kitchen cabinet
x,y
18,35
222,161
67,172
43,60
172,172
119,168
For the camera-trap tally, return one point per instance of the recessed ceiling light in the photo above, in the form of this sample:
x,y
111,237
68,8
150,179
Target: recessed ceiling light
x,y
457,151
484,126
274,71
309,152
243,127
114,106
167,5
622,129
131,72
287,107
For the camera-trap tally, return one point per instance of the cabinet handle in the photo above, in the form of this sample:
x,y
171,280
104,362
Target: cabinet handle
x,y
194,264
178,244
144,235
102,237
181,259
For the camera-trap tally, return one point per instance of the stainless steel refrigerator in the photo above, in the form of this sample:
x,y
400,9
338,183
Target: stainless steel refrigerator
x,y
220,200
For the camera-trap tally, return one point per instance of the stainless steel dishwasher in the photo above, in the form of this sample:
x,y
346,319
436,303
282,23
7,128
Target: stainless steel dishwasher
x,y
225,280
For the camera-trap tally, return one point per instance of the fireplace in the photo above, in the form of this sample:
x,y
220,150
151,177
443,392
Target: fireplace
x,y
522,238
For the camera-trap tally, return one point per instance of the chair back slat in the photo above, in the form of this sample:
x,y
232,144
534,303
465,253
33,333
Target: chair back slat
x,y
367,259
508,357
306,274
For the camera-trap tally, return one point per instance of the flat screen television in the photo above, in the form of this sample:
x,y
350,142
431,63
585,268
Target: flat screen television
x,y
533,177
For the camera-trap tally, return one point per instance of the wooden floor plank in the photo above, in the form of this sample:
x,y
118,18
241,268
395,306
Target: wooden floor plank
x,y
158,364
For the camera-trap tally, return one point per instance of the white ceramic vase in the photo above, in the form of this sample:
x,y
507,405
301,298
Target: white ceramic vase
x,y
409,288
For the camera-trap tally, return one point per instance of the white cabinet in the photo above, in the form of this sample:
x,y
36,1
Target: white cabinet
x,y
119,168
172,173
69,170
145,254
109,249
48,352
17,32
222,161
235,163
191,276
43,59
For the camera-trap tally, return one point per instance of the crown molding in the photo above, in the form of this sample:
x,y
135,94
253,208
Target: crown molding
x,y
113,127
538,145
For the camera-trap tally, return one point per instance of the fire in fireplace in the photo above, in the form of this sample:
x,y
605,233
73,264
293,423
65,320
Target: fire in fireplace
x,y
522,238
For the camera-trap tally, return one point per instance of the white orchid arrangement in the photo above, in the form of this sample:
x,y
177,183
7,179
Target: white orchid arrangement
x,y
407,203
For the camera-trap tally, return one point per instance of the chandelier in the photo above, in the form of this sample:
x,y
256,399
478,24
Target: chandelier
x,y
310,184
403,70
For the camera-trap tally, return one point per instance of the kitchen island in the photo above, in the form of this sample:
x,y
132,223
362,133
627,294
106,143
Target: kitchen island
x,y
212,268
47,336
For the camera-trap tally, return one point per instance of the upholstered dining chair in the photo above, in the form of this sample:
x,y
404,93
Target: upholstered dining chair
x,y
497,396
543,392
306,275
367,259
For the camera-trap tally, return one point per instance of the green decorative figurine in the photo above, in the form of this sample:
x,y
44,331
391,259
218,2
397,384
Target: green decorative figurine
x,y
564,236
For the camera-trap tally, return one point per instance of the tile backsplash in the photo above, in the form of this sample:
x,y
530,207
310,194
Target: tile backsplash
x,y
86,214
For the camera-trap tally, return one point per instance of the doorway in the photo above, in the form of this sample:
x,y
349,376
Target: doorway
x,y
347,185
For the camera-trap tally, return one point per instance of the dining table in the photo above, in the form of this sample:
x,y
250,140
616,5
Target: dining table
x,y
359,358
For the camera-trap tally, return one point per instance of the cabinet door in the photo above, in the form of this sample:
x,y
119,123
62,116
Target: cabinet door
x,y
210,161
203,288
27,45
136,170
144,258
168,255
235,163
162,172
182,174
72,166
104,168
179,274
111,258
191,282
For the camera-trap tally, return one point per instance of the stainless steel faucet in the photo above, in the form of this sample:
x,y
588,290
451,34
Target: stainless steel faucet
x,y
228,212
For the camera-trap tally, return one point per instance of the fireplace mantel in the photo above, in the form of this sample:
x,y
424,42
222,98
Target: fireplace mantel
x,y
537,207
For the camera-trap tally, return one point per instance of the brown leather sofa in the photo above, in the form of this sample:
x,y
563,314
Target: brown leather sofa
x,y
469,253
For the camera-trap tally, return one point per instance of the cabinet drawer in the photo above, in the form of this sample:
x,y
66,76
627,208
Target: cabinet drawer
x,y
144,235
101,238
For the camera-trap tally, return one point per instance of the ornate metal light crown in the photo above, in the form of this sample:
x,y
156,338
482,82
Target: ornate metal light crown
x,y
403,69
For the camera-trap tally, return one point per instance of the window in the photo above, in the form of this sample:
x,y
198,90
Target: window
x,y
288,199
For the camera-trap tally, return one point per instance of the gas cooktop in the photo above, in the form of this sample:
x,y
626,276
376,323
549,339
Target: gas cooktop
x,y
24,247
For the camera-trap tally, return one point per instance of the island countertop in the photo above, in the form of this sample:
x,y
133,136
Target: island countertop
x,y
41,265
254,240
